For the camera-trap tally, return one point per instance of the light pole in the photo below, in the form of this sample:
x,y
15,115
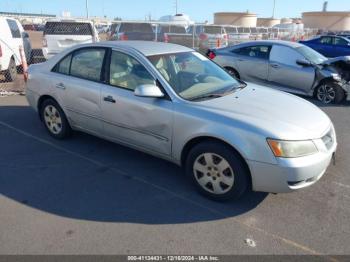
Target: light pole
x,y
87,8
274,8
175,7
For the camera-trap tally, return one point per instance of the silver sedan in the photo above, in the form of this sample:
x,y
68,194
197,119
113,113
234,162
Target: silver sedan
x,y
174,103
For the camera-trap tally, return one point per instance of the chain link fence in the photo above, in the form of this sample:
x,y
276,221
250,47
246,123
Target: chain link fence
x,y
37,44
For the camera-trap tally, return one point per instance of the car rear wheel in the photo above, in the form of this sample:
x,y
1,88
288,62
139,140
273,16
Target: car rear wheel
x,y
217,171
54,119
11,72
330,92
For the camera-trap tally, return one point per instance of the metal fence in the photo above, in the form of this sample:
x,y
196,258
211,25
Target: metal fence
x,y
39,43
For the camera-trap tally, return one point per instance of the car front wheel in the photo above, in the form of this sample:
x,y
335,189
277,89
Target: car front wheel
x,y
54,119
217,171
330,92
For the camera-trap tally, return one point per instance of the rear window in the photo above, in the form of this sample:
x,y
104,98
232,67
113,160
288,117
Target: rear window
x,y
173,29
67,28
136,27
212,29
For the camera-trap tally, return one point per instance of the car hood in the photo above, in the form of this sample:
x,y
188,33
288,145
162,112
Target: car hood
x,y
334,60
273,113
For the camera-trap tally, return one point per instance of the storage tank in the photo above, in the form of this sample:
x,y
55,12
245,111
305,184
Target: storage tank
x,y
286,20
268,22
333,21
238,19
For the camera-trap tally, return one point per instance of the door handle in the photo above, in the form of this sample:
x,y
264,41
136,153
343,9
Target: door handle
x,y
109,99
61,86
274,65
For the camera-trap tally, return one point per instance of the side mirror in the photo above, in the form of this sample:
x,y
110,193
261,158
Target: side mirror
x,y
148,91
25,35
303,62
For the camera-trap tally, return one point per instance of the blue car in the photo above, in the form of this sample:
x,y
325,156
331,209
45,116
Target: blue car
x,y
330,45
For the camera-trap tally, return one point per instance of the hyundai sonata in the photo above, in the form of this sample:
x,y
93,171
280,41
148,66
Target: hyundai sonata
x,y
174,103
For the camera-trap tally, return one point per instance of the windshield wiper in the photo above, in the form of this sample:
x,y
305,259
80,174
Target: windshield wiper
x,y
206,97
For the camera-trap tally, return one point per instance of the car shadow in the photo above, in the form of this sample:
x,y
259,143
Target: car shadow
x,y
88,178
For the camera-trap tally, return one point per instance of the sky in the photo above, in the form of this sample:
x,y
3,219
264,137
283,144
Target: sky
x,y
198,10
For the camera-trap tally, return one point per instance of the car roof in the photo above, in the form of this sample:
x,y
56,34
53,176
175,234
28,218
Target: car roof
x,y
270,42
147,48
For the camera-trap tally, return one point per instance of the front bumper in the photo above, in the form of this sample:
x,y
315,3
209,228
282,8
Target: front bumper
x,y
294,173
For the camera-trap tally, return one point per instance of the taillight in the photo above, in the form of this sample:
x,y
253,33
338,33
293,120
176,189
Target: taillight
x,y
44,42
211,55
0,51
166,38
203,36
123,37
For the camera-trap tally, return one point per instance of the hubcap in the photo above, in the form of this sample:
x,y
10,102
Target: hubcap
x,y
213,173
53,119
326,94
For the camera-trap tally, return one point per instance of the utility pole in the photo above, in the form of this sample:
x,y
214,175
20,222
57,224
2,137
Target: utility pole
x,y
175,7
87,8
274,8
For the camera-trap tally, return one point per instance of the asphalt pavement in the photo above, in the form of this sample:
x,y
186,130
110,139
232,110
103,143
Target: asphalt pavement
x,y
85,195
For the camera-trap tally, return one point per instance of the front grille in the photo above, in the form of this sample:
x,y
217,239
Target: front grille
x,y
329,139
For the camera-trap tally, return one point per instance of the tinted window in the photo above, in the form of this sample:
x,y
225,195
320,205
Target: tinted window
x,y
67,28
87,63
173,29
340,41
127,72
136,27
14,28
285,55
63,66
261,52
326,40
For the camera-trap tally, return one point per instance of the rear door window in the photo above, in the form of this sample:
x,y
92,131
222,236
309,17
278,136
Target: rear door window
x,y
87,63
63,66
261,51
67,28
15,32
340,41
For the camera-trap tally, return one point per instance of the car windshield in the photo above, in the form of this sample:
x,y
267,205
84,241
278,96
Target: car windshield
x,y
312,55
193,76
67,28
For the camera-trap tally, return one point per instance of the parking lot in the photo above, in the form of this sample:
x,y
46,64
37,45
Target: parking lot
x,y
88,196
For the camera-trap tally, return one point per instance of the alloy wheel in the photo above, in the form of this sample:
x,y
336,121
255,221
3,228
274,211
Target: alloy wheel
x,y
326,94
213,173
53,119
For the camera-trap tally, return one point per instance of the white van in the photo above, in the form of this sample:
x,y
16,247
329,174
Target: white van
x,y
62,34
12,36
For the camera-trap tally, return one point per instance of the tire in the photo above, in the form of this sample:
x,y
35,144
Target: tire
x,y
54,119
232,72
329,93
11,72
226,178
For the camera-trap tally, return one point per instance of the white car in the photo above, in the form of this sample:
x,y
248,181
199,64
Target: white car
x,y
62,34
12,37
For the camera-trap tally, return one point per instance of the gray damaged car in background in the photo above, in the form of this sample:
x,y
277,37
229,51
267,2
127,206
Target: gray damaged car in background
x,y
288,66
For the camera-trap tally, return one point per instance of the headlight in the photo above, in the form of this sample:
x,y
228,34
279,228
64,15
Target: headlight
x,y
336,77
292,149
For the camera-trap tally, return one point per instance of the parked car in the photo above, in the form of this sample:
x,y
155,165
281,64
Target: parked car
x,y
330,45
174,103
176,34
29,27
209,36
289,67
62,34
11,39
133,31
